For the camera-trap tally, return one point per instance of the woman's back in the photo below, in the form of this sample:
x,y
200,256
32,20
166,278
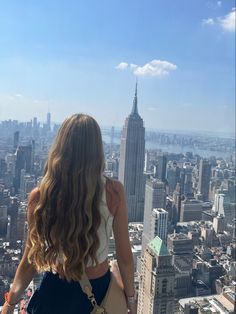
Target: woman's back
x,y
70,217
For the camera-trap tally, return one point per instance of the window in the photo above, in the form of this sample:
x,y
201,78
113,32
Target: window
x,y
164,286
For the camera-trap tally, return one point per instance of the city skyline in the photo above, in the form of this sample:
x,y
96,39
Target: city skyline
x,y
185,246
84,58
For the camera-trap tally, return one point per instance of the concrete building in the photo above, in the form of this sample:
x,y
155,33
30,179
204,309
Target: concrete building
x,y
3,220
159,224
204,179
131,167
181,248
223,304
191,210
155,197
219,224
173,176
24,160
186,183
156,291
160,167
14,207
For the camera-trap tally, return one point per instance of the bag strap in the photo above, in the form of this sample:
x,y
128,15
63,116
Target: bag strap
x,y
88,290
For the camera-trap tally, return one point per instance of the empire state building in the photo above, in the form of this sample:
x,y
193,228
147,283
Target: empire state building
x,y
132,152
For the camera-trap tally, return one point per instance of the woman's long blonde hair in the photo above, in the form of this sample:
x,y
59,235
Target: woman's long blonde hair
x,y
66,218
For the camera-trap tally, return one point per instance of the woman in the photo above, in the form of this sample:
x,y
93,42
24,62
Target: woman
x,y
70,217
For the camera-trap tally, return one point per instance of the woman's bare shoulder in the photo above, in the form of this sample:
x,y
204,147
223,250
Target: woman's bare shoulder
x,y
32,202
34,195
114,185
115,193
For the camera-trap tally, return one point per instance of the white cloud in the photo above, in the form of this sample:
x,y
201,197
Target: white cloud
x,y
228,21
209,21
158,68
155,68
122,66
133,66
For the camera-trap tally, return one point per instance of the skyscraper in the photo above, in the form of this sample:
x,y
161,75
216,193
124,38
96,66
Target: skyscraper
x,y
156,291
131,167
186,183
181,248
14,215
160,168
49,121
204,179
16,139
159,224
155,197
23,161
173,176
191,210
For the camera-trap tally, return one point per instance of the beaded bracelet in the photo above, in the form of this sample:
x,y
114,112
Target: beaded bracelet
x,y
7,302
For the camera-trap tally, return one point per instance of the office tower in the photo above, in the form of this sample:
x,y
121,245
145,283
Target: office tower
x,y
176,204
48,121
22,223
131,167
23,161
3,220
35,123
204,179
181,248
191,210
219,202
172,176
155,197
4,196
147,163
16,139
11,163
223,207
156,290
159,224
232,189
160,168
219,224
186,180
3,167
27,183
14,216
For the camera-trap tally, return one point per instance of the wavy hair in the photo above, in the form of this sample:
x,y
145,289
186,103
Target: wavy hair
x,y
63,236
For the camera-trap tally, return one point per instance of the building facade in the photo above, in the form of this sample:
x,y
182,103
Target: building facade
x,y
181,248
204,179
156,291
155,197
159,224
131,167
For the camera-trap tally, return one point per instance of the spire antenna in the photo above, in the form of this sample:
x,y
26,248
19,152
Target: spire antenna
x,y
135,101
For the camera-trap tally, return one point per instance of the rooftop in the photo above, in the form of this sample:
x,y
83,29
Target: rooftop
x,y
158,247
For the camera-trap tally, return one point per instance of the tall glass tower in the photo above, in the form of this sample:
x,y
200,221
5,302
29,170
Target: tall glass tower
x,y
132,152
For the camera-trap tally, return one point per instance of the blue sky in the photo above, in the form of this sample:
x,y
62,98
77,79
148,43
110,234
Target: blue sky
x,y
84,56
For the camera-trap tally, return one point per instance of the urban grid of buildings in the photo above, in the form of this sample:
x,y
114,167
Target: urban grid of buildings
x,y
181,214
